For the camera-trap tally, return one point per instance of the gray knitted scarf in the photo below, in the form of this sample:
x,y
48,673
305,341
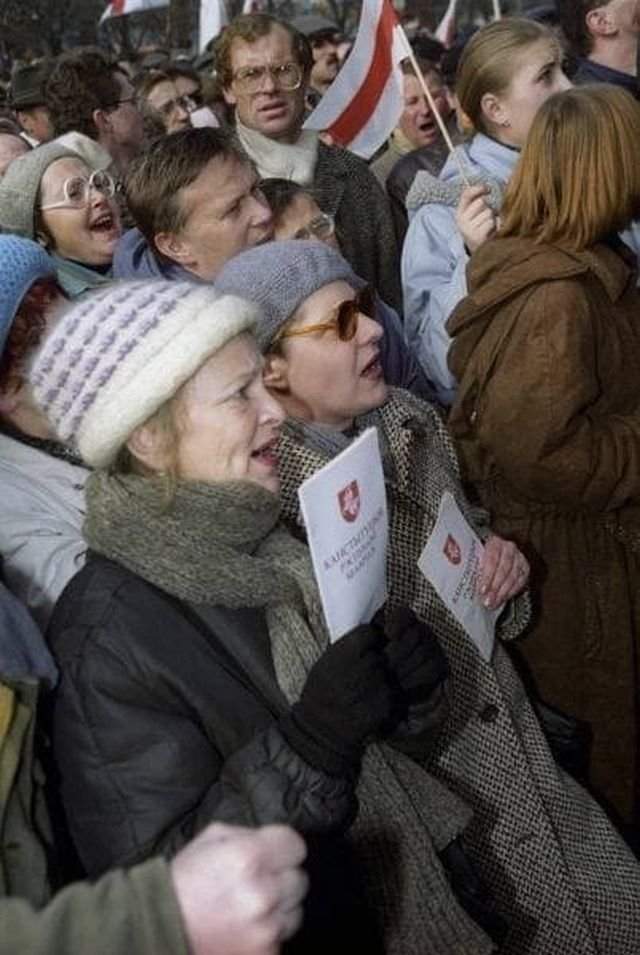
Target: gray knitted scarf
x,y
221,544
427,188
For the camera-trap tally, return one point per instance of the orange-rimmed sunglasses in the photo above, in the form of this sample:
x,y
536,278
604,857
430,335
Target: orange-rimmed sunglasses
x,y
345,319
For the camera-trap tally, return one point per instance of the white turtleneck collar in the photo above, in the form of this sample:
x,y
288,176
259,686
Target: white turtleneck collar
x,y
294,161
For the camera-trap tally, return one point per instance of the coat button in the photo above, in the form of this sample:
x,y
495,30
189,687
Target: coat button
x,y
489,713
473,416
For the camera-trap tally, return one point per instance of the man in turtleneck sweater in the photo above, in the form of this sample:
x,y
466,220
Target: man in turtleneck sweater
x,y
264,66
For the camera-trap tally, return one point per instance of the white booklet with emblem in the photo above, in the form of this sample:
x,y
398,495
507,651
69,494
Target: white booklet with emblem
x,y
344,507
450,561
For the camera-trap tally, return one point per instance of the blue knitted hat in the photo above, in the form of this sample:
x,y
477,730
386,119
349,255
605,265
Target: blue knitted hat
x,y
22,262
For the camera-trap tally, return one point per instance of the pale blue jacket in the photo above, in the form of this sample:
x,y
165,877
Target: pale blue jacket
x,y
434,261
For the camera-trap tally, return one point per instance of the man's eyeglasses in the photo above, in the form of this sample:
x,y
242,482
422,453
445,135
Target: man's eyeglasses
x,y
345,320
188,102
77,190
322,227
286,77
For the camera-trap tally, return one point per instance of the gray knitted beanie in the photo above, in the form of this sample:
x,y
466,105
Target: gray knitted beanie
x,y
279,276
116,356
20,184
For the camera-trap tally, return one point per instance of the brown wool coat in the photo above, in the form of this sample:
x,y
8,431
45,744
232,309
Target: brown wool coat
x,y
547,422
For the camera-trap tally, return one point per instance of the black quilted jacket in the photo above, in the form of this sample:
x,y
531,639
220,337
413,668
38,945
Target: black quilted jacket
x,y
158,730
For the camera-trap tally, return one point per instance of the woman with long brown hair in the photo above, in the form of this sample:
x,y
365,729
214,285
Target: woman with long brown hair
x,y
547,349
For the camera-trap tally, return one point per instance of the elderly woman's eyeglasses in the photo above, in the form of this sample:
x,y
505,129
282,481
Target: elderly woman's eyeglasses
x,y
286,77
345,320
77,190
322,228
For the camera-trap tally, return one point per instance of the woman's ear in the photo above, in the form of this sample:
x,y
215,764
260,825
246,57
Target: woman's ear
x,y
275,373
493,111
148,445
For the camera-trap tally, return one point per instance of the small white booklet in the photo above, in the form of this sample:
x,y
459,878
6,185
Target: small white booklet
x,y
344,506
450,561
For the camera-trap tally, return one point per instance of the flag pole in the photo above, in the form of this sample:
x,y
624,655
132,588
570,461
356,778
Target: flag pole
x,y
497,12
432,104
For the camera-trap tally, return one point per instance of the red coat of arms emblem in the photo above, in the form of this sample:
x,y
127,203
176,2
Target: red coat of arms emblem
x,y
451,550
349,501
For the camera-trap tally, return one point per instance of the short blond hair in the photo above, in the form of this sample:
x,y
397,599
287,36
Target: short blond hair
x,y
490,60
578,179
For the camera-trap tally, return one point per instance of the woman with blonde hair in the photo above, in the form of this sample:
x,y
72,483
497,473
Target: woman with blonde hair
x,y
506,72
547,419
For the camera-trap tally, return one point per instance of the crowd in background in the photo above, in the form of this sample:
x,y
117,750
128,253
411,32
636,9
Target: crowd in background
x,y
202,303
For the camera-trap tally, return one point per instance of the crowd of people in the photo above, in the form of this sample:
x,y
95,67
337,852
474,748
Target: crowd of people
x,y
202,303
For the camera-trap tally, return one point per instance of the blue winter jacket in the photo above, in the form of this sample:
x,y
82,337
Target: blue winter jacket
x,y
434,260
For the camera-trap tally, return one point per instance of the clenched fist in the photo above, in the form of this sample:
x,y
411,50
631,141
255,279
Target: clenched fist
x,y
240,890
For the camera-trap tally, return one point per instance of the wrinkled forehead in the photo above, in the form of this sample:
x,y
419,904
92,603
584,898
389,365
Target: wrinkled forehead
x,y
163,92
235,362
276,46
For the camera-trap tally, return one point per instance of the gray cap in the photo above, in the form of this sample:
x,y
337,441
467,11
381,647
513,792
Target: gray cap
x,y
19,188
279,276
310,24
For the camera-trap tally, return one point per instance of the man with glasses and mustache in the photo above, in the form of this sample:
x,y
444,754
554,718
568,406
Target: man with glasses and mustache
x,y
264,66
94,110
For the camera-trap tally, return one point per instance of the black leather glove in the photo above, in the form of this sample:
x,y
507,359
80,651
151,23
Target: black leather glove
x,y
415,656
347,698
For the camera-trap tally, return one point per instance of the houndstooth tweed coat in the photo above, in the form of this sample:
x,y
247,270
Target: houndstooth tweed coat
x,y
562,877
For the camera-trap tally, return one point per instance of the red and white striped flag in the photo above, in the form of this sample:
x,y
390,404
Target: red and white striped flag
x,y
255,6
120,8
364,103
213,18
446,29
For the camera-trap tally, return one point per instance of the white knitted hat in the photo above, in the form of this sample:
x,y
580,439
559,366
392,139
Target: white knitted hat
x,y
116,355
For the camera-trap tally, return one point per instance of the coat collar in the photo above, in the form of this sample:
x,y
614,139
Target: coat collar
x,y
482,156
504,267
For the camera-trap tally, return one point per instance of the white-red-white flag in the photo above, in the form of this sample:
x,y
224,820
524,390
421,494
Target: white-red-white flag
x,y
446,29
120,8
213,17
364,103
255,6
